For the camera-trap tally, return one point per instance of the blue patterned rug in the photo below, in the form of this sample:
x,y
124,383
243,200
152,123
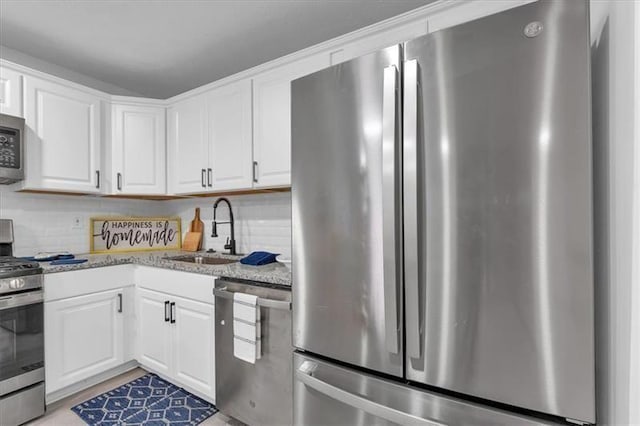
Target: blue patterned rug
x,y
148,400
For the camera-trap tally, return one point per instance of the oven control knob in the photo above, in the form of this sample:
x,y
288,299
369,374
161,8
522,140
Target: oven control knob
x,y
16,283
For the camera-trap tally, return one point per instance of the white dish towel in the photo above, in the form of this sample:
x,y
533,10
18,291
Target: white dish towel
x,y
246,327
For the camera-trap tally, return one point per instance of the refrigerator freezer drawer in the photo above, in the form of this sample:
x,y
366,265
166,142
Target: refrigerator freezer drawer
x,y
327,394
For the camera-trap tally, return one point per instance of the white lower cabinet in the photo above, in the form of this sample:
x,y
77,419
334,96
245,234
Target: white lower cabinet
x,y
154,341
84,336
194,343
176,336
98,321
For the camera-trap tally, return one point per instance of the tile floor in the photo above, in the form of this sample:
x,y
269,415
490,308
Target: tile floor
x,y
60,414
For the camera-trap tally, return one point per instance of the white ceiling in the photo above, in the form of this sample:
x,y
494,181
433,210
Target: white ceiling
x,y
162,48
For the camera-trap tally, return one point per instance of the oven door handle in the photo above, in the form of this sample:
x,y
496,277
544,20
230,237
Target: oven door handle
x,y
22,299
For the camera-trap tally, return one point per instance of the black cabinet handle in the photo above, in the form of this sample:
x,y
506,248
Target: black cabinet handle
x,y
173,312
119,181
167,313
209,177
98,179
255,172
119,303
203,177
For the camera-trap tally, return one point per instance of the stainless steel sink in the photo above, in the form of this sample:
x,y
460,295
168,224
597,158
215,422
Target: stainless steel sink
x,y
205,260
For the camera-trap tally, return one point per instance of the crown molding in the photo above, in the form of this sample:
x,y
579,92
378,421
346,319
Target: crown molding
x,y
411,17
138,101
406,18
52,78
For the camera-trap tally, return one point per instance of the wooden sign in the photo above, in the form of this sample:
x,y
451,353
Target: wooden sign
x,y
123,234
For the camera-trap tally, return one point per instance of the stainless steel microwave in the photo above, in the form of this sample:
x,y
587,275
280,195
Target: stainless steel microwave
x,y
11,149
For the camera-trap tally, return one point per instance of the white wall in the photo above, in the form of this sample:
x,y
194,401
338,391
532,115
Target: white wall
x,y
612,25
634,377
45,222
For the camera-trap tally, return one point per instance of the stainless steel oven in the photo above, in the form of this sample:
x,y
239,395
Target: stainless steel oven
x,y
21,352
21,356
11,149
22,391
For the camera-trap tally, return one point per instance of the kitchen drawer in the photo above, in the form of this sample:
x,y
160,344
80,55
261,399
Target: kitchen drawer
x,y
178,283
62,285
20,407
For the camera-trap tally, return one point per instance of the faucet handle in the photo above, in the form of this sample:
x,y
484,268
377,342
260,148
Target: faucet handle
x,y
227,245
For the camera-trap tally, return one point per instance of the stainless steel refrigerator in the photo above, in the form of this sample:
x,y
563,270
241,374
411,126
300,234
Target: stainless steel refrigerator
x,y
442,228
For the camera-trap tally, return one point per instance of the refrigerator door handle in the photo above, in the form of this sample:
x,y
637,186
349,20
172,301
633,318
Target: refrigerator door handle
x,y
389,220
304,374
410,211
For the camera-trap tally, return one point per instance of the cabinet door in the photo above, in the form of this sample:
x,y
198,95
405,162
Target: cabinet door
x,y
188,147
138,149
154,332
62,137
272,120
229,117
10,92
194,356
83,337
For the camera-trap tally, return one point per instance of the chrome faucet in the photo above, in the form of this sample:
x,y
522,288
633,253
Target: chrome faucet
x,y
231,243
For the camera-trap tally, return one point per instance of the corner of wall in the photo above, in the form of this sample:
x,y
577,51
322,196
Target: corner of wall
x,y
613,79
634,356
29,61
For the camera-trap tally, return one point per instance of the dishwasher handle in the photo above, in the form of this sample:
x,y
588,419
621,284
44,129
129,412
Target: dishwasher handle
x,y
262,302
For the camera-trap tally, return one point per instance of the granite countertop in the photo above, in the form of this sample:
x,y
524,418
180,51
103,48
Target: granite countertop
x,y
274,273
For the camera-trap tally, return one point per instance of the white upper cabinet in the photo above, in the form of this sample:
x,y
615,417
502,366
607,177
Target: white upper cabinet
x,y
187,144
138,149
219,138
272,120
62,137
229,119
210,141
10,92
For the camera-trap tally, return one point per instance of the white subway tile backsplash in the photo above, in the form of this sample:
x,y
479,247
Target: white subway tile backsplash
x,y
262,221
45,222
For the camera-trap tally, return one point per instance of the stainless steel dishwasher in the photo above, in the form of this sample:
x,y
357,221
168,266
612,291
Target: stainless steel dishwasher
x,y
260,393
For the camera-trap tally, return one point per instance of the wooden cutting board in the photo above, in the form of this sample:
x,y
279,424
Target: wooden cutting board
x,y
192,241
197,226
